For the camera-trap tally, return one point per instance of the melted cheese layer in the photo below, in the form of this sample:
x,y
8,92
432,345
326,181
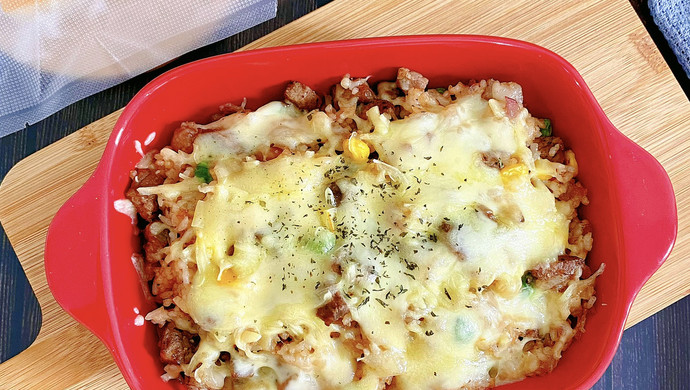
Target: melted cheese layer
x,y
430,246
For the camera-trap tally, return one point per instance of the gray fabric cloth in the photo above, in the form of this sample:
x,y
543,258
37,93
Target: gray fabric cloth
x,y
673,19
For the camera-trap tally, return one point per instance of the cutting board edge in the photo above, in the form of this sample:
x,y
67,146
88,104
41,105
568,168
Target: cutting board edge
x,y
249,46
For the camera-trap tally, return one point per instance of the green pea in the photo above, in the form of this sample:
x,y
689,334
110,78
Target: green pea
x,y
465,329
527,283
202,172
322,242
527,290
547,130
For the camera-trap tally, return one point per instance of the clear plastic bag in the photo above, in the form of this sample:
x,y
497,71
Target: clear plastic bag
x,y
55,52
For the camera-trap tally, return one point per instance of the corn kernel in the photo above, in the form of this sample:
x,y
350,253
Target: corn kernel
x,y
514,171
327,219
356,149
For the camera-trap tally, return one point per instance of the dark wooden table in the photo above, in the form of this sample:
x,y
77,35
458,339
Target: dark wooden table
x,y
654,354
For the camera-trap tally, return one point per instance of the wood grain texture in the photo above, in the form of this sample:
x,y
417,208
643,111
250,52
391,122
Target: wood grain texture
x,y
604,40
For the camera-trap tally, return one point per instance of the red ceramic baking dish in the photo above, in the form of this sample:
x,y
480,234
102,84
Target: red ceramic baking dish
x,y
632,210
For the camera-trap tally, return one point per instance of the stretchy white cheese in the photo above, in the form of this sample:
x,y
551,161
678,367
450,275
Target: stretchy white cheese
x,y
425,246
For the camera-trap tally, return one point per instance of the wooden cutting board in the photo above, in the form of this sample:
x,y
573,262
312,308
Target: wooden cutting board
x,y
604,40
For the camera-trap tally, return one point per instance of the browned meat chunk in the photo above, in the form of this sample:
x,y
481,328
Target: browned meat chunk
x,y
336,193
183,138
148,177
364,93
551,148
385,107
334,310
302,96
154,243
557,275
227,109
146,205
574,192
408,79
357,93
177,346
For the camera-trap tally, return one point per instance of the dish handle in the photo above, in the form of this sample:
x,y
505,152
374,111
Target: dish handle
x,y
648,207
72,254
